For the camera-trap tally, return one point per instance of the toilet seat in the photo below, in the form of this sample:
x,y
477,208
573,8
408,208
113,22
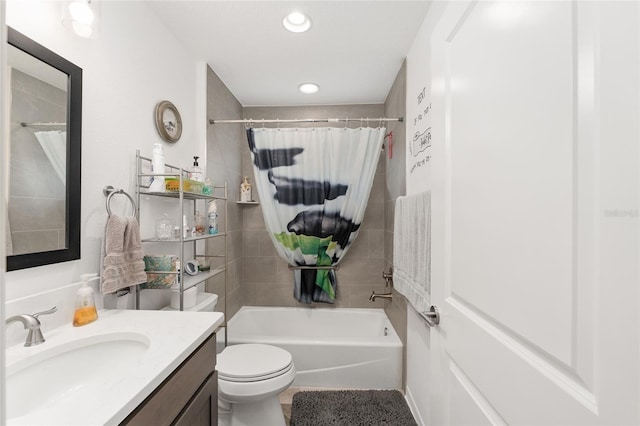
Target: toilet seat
x,y
252,362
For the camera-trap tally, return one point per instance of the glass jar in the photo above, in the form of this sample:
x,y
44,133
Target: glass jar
x,y
164,228
198,224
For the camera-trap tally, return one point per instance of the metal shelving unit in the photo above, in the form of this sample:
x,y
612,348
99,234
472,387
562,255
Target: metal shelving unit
x,y
185,200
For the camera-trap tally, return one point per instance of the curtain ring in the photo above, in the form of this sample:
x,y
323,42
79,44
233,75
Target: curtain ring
x,y
278,122
263,123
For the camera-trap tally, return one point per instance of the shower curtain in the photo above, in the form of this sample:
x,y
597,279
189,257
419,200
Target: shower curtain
x,y
314,184
54,144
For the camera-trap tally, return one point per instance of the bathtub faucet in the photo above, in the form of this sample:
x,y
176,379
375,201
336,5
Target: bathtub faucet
x,y
384,296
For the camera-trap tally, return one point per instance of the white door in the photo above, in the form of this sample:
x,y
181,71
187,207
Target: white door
x,y
535,230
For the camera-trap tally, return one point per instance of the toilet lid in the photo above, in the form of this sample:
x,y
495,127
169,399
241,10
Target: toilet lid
x,y
252,362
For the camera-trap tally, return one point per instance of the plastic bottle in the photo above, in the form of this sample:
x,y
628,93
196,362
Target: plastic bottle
x,y
212,218
245,190
196,171
157,166
85,307
198,223
207,189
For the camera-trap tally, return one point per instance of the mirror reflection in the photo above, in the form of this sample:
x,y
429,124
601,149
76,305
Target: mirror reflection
x,y
38,145
44,155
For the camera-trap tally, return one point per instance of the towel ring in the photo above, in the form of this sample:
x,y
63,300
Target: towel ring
x,y
109,191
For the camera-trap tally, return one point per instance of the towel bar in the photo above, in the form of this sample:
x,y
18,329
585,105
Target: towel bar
x,y
109,191
334,267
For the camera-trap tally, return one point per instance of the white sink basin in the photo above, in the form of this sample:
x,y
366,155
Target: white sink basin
x,y
99,373
67,371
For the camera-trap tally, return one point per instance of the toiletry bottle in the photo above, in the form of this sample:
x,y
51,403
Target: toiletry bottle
x,y
207,189
245,190
196,171
212,218
185,227
198,223
157,166
85,308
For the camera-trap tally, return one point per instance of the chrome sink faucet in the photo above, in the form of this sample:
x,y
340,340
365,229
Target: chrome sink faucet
x,y
32,323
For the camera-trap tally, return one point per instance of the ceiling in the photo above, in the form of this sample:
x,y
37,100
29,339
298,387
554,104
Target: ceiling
x,y
353,50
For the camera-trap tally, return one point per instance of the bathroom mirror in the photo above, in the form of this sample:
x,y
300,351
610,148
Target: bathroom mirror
x,y
44,155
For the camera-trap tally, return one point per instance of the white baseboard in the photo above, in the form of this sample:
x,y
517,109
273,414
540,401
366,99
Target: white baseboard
x,y
413,407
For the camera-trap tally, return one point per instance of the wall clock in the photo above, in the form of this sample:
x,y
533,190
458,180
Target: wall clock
x,y
168,121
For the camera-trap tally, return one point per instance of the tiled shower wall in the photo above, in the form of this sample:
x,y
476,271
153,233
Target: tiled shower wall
x,y
36,194
266,279
224,143
395,106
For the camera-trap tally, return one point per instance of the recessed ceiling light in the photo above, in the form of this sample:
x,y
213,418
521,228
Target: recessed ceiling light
x,y
308,88
296,22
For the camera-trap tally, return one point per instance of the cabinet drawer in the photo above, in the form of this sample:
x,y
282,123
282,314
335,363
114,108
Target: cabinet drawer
x,y
164,405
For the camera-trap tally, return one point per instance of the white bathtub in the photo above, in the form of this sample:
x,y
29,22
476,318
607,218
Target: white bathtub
x,y
337,348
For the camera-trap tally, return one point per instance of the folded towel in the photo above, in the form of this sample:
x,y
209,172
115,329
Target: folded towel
x,y
412,249
122,263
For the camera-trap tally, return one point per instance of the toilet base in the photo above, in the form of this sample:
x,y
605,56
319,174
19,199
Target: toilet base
x,y
265,412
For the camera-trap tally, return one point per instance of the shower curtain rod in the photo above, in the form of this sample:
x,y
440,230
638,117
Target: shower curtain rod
x,y
305,120
23,124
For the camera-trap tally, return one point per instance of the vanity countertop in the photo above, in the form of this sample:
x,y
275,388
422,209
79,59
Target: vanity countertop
x,y
108,387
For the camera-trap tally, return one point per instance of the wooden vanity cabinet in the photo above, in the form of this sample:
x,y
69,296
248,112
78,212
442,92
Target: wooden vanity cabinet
x,y
188,397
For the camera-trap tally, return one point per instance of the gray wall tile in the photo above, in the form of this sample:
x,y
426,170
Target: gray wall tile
x,y
224,144
395,105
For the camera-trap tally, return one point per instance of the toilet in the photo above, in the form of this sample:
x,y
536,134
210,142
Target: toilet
x,y
250,377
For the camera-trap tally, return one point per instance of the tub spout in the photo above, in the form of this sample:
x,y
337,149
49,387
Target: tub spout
x,y
384,296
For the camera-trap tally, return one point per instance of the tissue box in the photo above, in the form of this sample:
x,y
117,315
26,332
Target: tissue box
x,y
159,263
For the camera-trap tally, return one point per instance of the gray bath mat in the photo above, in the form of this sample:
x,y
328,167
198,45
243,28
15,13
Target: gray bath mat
x,y
350,408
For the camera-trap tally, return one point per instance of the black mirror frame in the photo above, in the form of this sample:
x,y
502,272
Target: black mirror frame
x,y
74,148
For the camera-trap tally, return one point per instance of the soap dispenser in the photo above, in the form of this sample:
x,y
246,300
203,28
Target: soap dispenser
x,y
196,171
85,308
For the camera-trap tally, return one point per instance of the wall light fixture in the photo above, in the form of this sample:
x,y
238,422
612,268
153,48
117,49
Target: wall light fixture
x,y
80,16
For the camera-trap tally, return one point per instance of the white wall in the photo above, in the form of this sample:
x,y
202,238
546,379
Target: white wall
x,y
418,174
133,64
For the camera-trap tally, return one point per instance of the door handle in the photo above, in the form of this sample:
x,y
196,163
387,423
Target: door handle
x,y
431,317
